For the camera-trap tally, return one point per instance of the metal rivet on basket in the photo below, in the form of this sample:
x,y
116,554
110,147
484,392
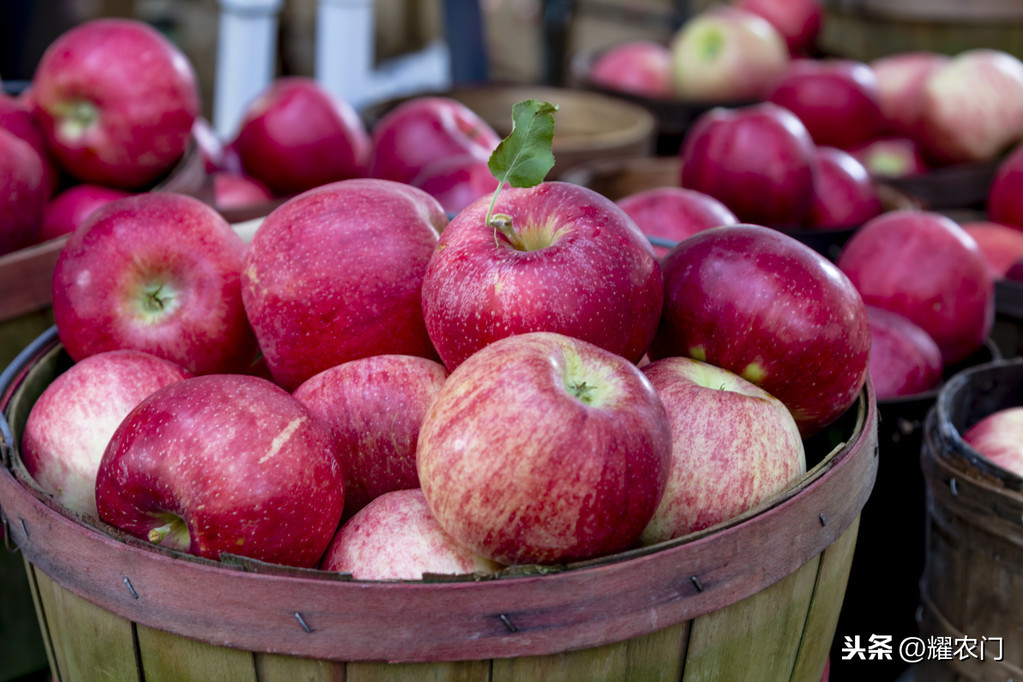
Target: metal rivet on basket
x,y
823,520
696,582
131,590
953,486
301,621
24,529
507,623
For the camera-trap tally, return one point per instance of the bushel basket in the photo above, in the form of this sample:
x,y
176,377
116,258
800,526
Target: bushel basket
x,y
753,599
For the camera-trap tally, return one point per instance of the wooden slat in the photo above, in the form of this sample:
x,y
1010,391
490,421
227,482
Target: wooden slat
x,y
171,658
26,278
276,668
21,643
756,638
90,643
828,597
456,671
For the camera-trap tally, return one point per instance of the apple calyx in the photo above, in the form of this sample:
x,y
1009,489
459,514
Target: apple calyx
x,y
173,533
76,117
157,299
522,159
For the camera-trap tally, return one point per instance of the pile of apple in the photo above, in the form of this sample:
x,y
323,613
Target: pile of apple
x,y
113,110
372,386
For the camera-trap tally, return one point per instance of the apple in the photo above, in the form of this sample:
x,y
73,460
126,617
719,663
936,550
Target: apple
x,y
1000,244
639,67
16,117
972,107
423,130
223,463
999,438
23,192
836,99
926,267
726,54
158,272
238,190
69,208
734,446
573,262
904,359
456,181
542,448
374,407
1005,194
758,160
761,304
674,213
1015,271
845,194
71,423
296,135
336,274
396,537
901,77
888,157
798,21
116,101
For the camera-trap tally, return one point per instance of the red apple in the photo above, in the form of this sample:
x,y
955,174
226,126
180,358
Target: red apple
x,y
734,446
16,117
72,421
972,108
157,272
224,463
1005,194
116,101
845,194
296,135
396,537
68,209
574,263
674,213
891,157
238,190
336,273
765,306
999,438
758,160
904,359
798,21
926,267
374,407
901,78
837,100
23,192
640,67
541,448
424,129
1001,245
456,181
726,54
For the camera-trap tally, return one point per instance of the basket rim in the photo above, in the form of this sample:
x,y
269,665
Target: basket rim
x,y
592,604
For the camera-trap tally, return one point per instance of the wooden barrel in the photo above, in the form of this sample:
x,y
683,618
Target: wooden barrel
x,y
867,29
756,598
883,595
973,577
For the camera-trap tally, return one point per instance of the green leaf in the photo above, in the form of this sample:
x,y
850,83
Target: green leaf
x,y
524,158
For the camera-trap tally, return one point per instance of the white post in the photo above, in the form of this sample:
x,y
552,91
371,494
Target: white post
x,y
246,58
344,48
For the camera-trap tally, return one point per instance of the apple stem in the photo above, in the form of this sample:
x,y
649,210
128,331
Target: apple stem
x,y
156,535
502,222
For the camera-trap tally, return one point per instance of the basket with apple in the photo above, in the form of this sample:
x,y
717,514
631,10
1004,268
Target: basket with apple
x,y
971,465
530,359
